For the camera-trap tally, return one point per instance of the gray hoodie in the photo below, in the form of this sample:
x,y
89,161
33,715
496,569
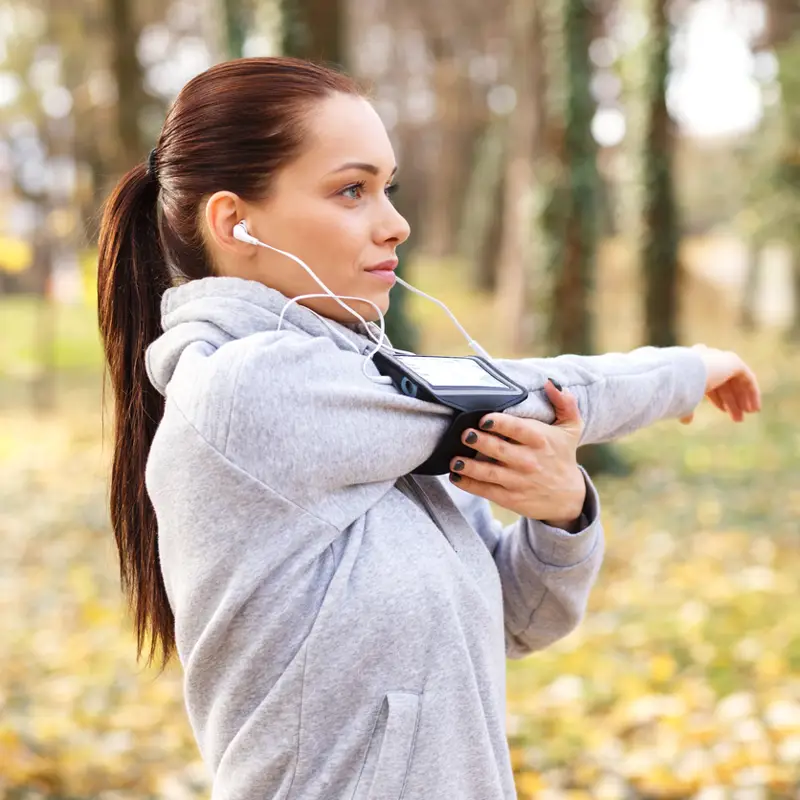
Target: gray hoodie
x,y
342,626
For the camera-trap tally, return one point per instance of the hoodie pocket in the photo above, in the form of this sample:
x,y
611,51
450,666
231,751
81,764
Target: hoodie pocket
x,y
391,744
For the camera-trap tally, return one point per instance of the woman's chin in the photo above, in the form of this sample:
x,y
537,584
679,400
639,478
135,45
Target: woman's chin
x,y
328,307
368,312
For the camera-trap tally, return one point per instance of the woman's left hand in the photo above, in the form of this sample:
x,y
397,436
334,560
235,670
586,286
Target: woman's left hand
x,y
535,474
730,384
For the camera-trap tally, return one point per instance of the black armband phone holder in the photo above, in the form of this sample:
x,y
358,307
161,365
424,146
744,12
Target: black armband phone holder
x,y
470,385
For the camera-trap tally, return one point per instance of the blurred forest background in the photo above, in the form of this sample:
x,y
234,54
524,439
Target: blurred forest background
x,y
580,176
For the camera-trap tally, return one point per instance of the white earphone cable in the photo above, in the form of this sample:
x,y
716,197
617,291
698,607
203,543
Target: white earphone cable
x,y
374,378
470,341
240,232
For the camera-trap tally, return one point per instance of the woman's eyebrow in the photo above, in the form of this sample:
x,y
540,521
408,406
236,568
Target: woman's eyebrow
x,y
371,168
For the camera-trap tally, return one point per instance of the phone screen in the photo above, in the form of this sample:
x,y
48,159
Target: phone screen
x,y
442,372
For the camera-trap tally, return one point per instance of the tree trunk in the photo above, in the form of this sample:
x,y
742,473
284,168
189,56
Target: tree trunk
x,y
400,329
315,30
571,323
794,330
235,27
747,317
787,19
128,74
482,220
456,131
660,251
519,225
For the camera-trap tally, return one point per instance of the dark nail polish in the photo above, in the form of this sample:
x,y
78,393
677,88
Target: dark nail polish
x,y
556,384
472,437
454,478
458,466
487,424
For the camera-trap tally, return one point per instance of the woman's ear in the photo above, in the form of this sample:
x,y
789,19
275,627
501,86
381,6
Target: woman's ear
x,y
223,210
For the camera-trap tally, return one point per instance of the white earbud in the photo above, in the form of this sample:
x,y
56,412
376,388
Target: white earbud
x,y
240,233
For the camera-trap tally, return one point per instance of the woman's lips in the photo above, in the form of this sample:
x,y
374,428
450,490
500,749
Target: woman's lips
x,y
386,275
385,270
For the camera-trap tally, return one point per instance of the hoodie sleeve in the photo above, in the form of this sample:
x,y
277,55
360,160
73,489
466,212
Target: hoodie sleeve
x,y
617,393
546,573
298,413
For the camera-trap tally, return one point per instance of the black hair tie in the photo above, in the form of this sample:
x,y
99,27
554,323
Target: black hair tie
x,y
152,168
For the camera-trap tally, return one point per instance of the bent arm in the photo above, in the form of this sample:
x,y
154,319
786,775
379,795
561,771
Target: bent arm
x,y
546,573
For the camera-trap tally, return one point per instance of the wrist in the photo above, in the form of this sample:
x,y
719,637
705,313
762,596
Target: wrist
x,y
573,519
569,526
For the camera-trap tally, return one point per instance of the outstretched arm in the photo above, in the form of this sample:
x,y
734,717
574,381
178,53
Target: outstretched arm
x,y
618,393
305,420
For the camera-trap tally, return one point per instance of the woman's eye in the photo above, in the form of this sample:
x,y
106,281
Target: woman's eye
x,y
356,191
356,187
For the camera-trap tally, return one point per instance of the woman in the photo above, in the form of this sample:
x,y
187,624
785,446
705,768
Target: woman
x,y
342,625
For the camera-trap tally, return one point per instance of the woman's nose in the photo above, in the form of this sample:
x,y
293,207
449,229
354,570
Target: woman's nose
x,y
395,228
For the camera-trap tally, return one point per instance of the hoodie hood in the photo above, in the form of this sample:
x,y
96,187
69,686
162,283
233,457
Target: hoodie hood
x,y
210,312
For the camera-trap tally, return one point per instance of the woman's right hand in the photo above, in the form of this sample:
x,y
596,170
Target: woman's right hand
x,y
730,385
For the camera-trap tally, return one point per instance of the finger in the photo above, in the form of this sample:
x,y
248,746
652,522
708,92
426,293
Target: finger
x,y
757,392
492,492
741,390
486,472
738,399
714,397
753,398
528,432
564,403
752,390
515,456
728,397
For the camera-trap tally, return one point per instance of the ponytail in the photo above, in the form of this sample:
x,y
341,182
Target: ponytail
x,y
150,235
132,277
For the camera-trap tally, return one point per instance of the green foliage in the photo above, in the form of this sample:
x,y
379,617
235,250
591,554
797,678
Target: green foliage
x,y
77,341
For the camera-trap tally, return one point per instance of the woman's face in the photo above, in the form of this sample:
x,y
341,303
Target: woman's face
x,y
331,208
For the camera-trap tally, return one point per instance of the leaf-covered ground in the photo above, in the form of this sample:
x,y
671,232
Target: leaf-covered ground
x,y
683,682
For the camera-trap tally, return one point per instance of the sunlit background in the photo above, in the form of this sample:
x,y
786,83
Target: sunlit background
x,y
580,176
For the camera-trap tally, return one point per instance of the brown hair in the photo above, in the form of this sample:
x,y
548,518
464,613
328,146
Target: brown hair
x,y
233,127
